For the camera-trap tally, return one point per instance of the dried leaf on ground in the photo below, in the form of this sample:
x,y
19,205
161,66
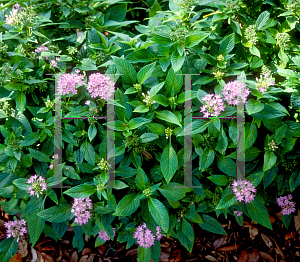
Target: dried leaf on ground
x,y
176,256
36,256
16,258
22,247
211,258
267,240
243,257
254,256
47,257
228,248
84,258
220,241
297,221
74,257
278,249
266,256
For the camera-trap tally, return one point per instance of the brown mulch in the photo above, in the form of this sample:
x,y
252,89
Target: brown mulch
x,y
249,243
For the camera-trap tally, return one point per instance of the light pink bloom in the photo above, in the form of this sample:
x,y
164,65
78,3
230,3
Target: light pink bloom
x,y
287,206
15,228
100,86
214,104
233,90
243,190
81,211
68,83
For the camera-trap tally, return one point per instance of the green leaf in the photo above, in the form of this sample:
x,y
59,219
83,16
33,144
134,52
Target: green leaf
x,y
141,179
56,214
60,229
39,155
286,219
145,73
128,72
250,134
148,137
184,240
117,12
141,109
137,122
70,172
194,40
187,230
21,101
81,191
283,56
227,44
156,128
220,180
206,159
270,175
254,51
226,165
88,151
174,191
269,160
30,139
159,213
294,180
169,162
177,61
254,106
152,12
35,227
258,212
251,153
173,82
2,114
222,143
78,241
92,132
262,20
21,183
144,253
168,117
127,205
8,247
226,201
212,225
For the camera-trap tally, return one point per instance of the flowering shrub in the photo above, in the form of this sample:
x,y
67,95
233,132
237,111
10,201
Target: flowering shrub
x,y
185,71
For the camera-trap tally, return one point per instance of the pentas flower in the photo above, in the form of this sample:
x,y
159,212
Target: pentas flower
x,y
238,213
88,102
243,190
81,211
144,236
38,185
233,90
103,235
41,49
100,86
15,228
214,104
264,82
54,63
287,206
68,83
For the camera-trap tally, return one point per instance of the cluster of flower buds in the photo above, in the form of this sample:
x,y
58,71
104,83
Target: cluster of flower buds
x,y
72,50
38,185
272,146
264,82
12,18
286,204
218,73
103,165
250,34
283,40
147,99
168,132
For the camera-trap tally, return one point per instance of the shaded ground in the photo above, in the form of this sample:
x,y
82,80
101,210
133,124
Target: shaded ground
x,y
250,243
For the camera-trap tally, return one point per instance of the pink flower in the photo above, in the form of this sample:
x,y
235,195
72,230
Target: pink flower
x,y
15,228
77,71
55,156
88,102
54,63
68,83
100,85
37,185
9,20
41,49
287,206
214,104
144,236
81,211
233,90
243,190
103,235
51,166
238,213
57,59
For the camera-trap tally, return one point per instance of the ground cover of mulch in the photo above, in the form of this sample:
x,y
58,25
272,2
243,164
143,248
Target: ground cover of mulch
x,y
249,243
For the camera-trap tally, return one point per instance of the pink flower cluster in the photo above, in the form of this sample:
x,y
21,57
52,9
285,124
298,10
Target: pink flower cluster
x,y
54,63
41,49
100,85
214,104
13,13
68,83
243,190
287,206
103,235
144,236
233,90
38,185
238,213
81,211
15,228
